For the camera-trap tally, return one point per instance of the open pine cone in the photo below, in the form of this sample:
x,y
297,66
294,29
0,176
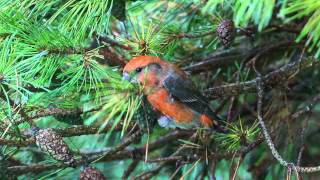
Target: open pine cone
x,y
51,142
90,173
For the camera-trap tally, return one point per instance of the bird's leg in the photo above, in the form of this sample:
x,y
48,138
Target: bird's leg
x,y
167,122
171,97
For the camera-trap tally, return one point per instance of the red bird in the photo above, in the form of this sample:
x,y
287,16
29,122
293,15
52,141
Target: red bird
x,y
170,91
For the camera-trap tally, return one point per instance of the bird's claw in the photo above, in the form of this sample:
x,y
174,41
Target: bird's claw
x,y
165,121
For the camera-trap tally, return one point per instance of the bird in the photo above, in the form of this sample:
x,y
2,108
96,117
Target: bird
x,y
169,91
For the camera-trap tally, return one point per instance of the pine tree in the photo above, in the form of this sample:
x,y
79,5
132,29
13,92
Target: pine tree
x,y
61,65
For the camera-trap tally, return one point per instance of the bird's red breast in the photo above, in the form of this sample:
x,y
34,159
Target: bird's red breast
x,y
177,111
161,101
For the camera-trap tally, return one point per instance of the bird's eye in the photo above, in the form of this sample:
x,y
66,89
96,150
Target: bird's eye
x,y
139,69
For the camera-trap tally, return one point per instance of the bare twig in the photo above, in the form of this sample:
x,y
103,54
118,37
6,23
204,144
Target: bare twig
x,y
17,143
130,169
162,159
112,42
235,167
116,153
65,132
272,79
153,172
226,57
268,139
191,36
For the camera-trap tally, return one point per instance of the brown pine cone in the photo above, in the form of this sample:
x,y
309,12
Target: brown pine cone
x,y
90,173
51,142
226,32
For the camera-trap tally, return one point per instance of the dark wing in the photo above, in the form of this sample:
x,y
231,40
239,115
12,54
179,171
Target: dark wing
x,y
184,91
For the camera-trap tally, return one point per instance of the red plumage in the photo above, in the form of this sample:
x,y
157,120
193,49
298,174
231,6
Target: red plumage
x,y
170,91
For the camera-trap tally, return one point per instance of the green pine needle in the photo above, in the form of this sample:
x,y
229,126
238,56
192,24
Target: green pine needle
x,y
237,136
82,18
296,9
260,12
118,104
145,37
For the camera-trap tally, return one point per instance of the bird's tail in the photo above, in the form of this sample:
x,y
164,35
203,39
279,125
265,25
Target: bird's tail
x,y
220,129
215,123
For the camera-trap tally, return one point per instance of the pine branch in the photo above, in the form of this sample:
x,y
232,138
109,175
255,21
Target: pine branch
x,y
111,42
130,169
271,80
116,153
192,36
65,132
227,57
274,151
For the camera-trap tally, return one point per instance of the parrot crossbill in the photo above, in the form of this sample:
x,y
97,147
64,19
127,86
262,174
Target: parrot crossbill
x,y
169,91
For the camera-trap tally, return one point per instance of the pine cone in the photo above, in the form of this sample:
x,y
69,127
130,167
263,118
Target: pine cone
x,y
51,142
226,31
90,173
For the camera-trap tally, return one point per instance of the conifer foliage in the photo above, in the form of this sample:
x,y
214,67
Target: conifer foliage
x,y
61,61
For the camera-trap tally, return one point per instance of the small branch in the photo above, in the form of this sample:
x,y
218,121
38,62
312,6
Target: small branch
x,y
155,171
17,108
130,169
218,59
109,155
165,159
271,49
226,57
55,111
306,109
112,42
50,112
46,112
36,168
241,152
293,28
17,143
192,36
65,51
268,139
84,130
65,132
151,173
235,167
112,57
124,144
272,79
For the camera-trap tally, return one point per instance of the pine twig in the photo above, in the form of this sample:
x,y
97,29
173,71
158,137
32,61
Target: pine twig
x,y
115,153
65,132
235,167
272,79
155,171
227,57
192,36
130,169
112,42
268,139
165,159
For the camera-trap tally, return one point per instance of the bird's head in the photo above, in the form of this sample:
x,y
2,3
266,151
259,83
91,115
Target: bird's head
x,y
145,70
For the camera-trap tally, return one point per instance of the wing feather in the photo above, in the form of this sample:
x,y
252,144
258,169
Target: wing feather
x,y
183,90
